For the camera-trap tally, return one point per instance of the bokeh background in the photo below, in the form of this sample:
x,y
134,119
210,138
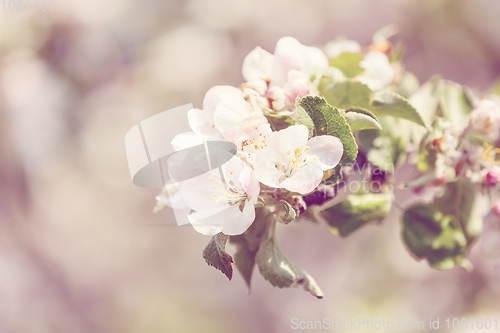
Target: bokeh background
x,y
76,253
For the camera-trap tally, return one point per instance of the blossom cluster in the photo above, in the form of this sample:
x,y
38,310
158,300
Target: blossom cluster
x,y
301,119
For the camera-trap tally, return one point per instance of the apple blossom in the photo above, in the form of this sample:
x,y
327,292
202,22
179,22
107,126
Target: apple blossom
x,y
202,121
378,71
485,119
294,163
289,54
222,200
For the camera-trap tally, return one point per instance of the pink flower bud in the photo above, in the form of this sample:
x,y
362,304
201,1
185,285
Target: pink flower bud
x,y
493,176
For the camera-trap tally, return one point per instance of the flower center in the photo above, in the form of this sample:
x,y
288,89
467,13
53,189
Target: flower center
x,y
297,160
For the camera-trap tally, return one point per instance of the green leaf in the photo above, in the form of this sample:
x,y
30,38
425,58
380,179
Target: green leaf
x,y
348,63
461,199
432,235
385,148
356,211
279,122
456,104
345,94
352,94
361,119
388,103
281,272
323,119
408,84
215,255
248,244
397,52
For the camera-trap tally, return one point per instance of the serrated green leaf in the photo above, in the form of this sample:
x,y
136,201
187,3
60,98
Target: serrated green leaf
x,y
361,119
455,104
248,244
426,101
388,103
281,272
356,211
461,199
345,94
323,119
384,148
348,63
434,236
352,94
215,255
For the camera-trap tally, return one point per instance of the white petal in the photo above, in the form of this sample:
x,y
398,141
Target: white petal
x,y
202,123
377,66
289,54
186,140
315,60
249,182
212,97
372,83
197,192
265,170
240,223
328,149
211,221
335,48
229,114
305,180
289,139
257,65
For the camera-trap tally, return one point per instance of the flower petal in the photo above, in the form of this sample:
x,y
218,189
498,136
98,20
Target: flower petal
x,y
186,140
257,65
265,169
229,114
289,139
328,149
240,223
306,179
212,97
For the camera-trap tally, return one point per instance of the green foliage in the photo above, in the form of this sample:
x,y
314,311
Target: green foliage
x,y
356,211
281,272
384,148
456,104
248,244
323,119
279,122
361,119
397,52
215,255
348,63
351,94
388,103
345,94
461,199
441,232
434,236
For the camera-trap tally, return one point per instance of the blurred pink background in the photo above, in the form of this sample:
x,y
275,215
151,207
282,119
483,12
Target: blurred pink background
x,y
75,252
